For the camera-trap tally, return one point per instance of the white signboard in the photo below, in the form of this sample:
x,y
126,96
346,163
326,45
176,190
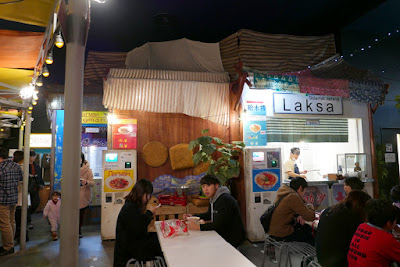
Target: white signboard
x,y
40,140
307,104
390,157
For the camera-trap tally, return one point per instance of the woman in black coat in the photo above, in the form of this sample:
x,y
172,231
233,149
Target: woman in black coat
x,y
132,238
336,228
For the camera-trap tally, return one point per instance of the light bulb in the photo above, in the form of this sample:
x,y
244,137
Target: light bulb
x,y
59,42
34,102
45,71
49,60
29,111
39,81
30,108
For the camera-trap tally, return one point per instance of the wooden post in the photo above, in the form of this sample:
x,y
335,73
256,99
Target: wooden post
x,y
373,152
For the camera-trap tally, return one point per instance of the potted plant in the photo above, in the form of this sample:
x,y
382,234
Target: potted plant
x,y
222,157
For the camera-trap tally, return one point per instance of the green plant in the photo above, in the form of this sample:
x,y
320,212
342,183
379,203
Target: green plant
x,y
223,157
385,181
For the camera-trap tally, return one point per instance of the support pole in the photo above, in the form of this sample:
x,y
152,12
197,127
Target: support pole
x,y
77,20
24,211
20,137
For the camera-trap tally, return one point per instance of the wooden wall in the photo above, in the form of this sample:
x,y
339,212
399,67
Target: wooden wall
x,y
170,129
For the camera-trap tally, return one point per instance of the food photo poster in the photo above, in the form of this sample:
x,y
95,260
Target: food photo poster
x,y
266,180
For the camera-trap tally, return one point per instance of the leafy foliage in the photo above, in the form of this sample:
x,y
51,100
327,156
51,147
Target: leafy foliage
x,y
223,157
385,181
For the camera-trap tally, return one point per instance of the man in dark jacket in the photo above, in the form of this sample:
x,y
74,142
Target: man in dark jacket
x,y
223,213
34,185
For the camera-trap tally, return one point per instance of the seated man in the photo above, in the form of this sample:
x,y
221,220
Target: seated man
x,y
283,222
223,213
373,243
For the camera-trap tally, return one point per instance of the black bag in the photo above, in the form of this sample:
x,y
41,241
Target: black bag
x,y
265,219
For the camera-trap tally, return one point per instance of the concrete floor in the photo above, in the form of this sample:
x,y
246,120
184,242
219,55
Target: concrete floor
x,y
93,252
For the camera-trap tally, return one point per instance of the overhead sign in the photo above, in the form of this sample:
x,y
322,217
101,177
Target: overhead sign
x,y
40,140
307,104
94,117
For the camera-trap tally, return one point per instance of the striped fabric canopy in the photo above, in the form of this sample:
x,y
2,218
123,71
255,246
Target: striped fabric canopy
x,y
197,94
274,52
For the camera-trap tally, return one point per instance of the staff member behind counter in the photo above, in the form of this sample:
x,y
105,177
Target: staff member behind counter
x,y
290,169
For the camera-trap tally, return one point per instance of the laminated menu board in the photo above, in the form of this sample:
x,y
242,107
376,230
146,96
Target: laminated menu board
x,y
124,134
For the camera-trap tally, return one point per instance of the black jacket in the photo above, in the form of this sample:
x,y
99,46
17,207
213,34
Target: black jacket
x,y
334,234
35,181
132,238
226,218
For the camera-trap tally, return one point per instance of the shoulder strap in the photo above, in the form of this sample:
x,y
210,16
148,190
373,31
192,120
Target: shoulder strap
x,y
279,200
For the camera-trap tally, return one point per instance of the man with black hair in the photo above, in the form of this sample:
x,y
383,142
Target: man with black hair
x,y
373,243
290,210
10,175
290,168
223,213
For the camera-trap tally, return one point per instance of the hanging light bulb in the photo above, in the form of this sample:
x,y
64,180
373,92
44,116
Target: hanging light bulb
x,y
30,111
49,59
45,71
59,42
39,81
30,108
34,102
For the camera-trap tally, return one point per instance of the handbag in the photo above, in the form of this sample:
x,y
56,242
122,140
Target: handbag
x,y
265,219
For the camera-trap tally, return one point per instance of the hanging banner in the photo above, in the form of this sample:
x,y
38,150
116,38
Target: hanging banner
x,y
94,136
276,82
59,149
255,133
307,104
124,134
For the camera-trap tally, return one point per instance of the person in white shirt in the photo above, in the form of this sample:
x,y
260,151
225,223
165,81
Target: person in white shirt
x,y
290,168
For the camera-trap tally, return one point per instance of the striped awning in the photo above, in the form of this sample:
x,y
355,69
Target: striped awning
x,y
99,63
197,94
274,52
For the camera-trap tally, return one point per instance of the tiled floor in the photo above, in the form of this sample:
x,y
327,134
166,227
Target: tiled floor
x,y
93,252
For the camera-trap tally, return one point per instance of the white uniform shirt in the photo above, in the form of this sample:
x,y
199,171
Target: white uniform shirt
x,y
288,165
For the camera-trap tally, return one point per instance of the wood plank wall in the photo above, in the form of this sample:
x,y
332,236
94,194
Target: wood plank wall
x,y
172,129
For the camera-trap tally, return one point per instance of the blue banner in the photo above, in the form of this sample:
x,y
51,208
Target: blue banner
x,y
255,133
59,149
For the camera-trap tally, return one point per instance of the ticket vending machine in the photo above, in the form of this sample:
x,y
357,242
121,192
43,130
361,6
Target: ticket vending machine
x,y
119,177
262,180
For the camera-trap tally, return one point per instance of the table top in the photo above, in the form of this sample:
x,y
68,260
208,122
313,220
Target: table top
x,y
199,249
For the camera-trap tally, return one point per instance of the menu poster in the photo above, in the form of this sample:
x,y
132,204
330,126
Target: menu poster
x,y
255,133
118,180
266,180
124,134
318,196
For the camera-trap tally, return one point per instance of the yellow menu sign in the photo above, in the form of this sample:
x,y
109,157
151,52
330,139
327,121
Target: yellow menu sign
x,y
118,180
94,117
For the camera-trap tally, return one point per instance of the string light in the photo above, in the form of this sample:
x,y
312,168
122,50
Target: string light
x,y
59,42
34,103
45,71
39,81
49,60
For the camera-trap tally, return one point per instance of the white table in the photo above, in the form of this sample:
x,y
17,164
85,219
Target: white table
x,y
199,249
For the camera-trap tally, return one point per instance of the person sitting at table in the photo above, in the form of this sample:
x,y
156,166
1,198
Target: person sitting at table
x,y
336,227
223,213
373,243
132,238
352,183
290,210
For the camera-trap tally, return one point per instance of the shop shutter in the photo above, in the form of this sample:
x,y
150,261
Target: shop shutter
x,y
307,130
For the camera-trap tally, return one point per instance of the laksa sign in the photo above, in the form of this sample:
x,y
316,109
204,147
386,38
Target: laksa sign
x,y
307,104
